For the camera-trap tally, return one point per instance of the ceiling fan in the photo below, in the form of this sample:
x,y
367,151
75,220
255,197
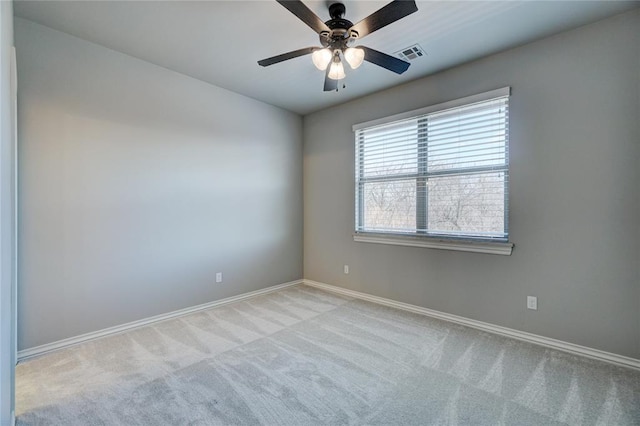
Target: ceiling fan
x,y
338,36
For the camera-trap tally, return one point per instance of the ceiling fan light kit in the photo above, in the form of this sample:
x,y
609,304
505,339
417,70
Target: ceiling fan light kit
x,y
337,36
336,72
322,58
354,57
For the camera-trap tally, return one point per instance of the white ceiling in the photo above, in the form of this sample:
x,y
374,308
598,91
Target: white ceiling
x,y
220,41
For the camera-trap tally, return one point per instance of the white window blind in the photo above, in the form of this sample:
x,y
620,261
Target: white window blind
x,y
442,171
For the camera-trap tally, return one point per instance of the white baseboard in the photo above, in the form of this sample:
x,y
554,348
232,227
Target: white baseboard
x,y
491,328
40,350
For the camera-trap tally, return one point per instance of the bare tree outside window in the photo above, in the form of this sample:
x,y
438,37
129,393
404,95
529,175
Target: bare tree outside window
x,y
390,206
467,203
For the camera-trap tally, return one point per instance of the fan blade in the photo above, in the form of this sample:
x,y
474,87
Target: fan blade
x,y
390,13
329,83
385,61
305,15
286,56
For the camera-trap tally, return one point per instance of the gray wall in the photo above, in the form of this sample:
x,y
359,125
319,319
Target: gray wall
x,y
138,184
575,207
7,206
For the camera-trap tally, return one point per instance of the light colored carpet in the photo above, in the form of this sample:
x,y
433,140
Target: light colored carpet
x,y
302,356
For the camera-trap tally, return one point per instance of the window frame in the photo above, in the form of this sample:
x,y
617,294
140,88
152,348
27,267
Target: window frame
x,y
421,238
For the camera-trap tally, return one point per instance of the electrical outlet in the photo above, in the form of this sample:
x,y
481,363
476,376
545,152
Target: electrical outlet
x,y
532,303
218,277
346,269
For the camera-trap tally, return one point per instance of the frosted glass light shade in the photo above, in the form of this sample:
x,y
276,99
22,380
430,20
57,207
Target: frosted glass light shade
x,y
321,58
354,57
336,72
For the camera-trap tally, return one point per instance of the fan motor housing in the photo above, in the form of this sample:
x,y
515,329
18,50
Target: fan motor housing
x,y
339,36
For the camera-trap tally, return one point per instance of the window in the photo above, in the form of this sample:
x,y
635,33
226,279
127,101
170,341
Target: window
x,y
442,171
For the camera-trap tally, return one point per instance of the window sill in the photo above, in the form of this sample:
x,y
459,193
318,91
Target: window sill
x,y
499,248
